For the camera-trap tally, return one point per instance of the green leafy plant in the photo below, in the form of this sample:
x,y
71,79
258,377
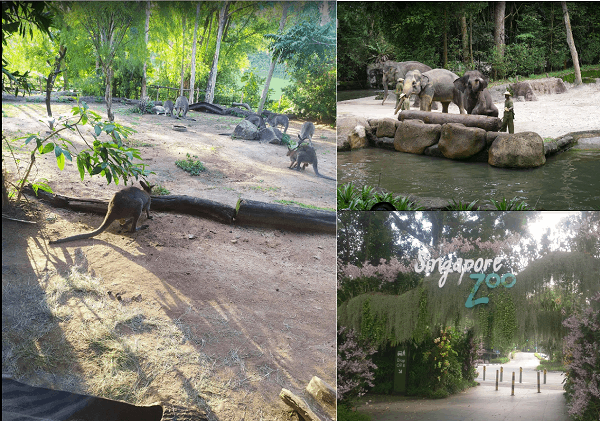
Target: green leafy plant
x,y
194,167
510,205
460,206
107,157
159,190
350,197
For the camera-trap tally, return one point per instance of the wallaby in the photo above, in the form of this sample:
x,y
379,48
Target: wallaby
x,y
168,106
257,120
127,203
276,119
181,105
306,132
293,154
306,155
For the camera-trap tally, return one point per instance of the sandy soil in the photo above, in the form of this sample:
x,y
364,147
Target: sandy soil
x,y
267,295
550,116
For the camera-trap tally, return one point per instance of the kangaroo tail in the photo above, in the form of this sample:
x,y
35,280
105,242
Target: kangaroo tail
x,y
321,175
105,224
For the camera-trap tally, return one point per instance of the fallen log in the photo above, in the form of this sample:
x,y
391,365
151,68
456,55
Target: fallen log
x,y
490,124
298,405
207,108
179,204
324,394
250,212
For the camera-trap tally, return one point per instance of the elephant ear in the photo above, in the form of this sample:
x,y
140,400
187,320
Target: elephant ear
x,y
484,83
424,81
461,83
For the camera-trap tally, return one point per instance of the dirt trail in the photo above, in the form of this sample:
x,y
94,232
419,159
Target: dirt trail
x,y
265,296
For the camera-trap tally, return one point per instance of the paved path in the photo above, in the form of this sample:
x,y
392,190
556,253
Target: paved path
x,y
483,403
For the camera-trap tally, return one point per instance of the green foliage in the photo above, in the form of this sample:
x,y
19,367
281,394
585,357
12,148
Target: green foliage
x,y
346,413
194,167
501,360
252,88
109,158
349,197
510,205
159,190
460,206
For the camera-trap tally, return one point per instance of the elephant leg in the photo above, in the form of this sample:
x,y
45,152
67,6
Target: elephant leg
x,y
426,102
445,106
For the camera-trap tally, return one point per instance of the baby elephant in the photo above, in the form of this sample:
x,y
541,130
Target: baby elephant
x,y
168,106
477,99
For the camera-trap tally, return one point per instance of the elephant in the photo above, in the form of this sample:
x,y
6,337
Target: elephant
x,y
434,85
476,97
394,70
374,72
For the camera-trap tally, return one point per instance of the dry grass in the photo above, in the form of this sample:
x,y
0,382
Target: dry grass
x,y
75,337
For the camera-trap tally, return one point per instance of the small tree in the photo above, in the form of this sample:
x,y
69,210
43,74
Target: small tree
x,y
354,367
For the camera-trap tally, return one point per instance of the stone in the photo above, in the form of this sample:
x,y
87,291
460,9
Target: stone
x,y
458,141
245,130
271,135
345,125
550,148
386,128
434,151
385,143
414,136
358,138
518,150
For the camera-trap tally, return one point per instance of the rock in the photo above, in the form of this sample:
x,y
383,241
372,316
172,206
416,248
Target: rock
x,y
358,138
522,89
550,148
246,130
458,141
271,135
518,150
550,85
345,125
386,128
157,109
414,136
491,136
385,143
564,141
434,151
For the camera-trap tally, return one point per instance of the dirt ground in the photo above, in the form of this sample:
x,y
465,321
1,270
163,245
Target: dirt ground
x,y
551,116
266,296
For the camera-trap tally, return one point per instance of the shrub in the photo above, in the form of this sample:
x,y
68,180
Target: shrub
x,y
582,354
354,367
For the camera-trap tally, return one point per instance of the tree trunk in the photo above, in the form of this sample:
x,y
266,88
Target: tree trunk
x,y
571,43
265,92
490,124
182,53
445,57
499,9
324,8
108,93
471,39
465,38
62,50
193,64
144,92
212,78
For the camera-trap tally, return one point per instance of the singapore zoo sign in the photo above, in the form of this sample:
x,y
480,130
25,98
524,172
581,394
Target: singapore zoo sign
x,y
446,266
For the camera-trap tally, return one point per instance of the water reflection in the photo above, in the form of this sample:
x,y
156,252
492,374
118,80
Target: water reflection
x,y
568,181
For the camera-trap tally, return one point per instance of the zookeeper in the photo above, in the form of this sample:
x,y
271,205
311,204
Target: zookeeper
x,y
509,114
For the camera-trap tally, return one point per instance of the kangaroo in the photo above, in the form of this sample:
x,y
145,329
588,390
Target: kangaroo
x,y
306,132
257,120
293,154
168,106
127,203
181,105
275,120
306,155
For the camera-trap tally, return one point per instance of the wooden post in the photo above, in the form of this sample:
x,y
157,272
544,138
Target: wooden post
x,y
544,376
501,373
538,375
484,373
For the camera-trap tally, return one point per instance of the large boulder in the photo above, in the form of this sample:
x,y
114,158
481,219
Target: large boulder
x,y
271,135
245,130
518,150
358,137
386,127
458,141
414,136
345,126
